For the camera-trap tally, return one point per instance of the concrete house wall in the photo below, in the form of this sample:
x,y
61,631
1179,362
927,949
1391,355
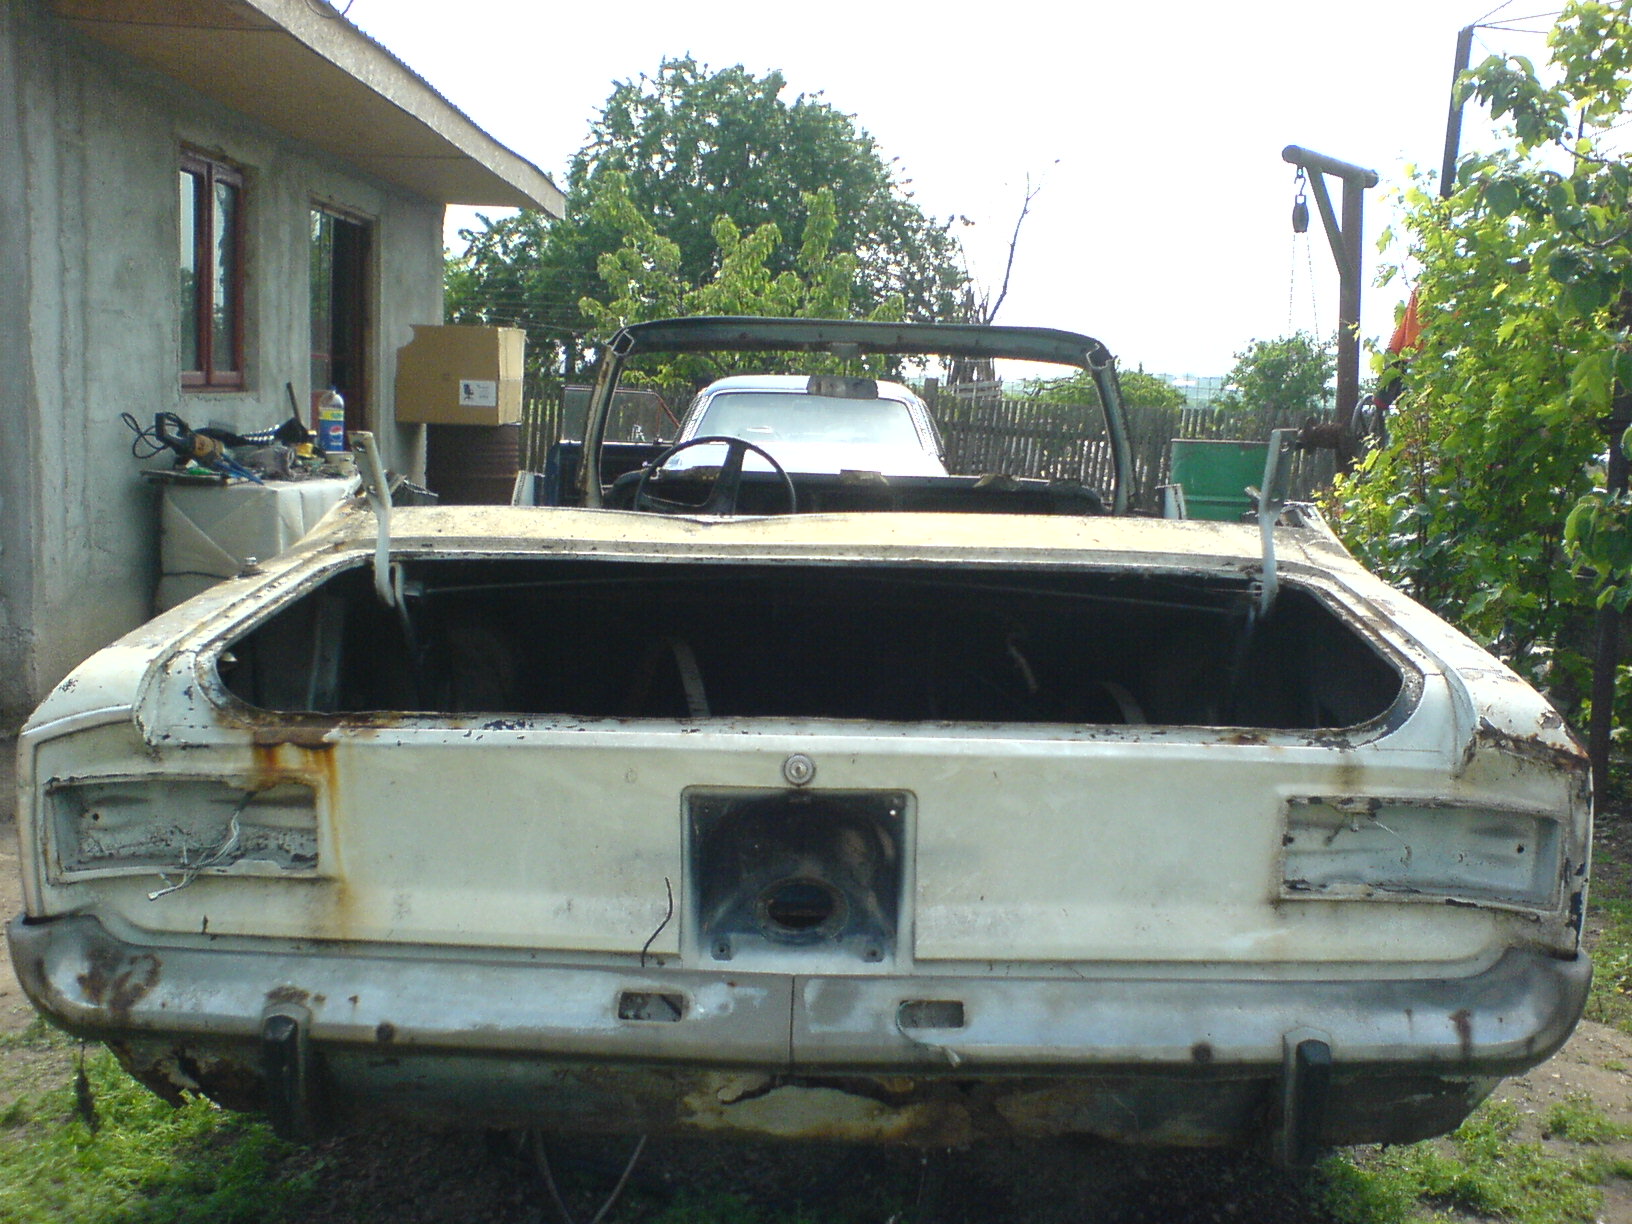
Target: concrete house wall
x,y
90,141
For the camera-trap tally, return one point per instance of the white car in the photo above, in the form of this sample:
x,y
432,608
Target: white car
x,y
815,424
972,814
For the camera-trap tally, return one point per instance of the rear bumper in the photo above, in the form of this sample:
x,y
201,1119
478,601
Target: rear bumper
x,y
454,1035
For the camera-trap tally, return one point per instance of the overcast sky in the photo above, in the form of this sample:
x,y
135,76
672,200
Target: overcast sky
x,y
1152,131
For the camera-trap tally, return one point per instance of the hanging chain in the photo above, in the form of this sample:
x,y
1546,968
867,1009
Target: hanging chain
x,y
1314,299
1291,284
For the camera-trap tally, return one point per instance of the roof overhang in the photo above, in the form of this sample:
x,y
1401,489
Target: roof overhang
x,y
303,70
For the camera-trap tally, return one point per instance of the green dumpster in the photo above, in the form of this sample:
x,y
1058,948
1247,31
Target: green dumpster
x,y
1215,473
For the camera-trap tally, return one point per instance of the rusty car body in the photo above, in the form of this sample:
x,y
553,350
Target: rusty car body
x,y
944,808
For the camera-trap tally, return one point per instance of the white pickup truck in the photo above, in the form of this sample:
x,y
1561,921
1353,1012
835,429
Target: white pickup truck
x,y
896,808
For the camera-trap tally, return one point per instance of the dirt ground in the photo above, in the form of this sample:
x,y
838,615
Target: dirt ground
x,y
408,1177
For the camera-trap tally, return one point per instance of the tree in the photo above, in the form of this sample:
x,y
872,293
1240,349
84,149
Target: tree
x,y
1523,282
1289,375
1139,391
685,148
503,279
642,280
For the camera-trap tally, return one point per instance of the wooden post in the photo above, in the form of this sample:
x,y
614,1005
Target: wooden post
x,y
1346,240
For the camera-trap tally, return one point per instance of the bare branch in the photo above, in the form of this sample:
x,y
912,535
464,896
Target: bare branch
x,y
1014,242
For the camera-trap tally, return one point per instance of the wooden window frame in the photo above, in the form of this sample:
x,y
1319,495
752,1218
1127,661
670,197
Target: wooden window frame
x,y
210,172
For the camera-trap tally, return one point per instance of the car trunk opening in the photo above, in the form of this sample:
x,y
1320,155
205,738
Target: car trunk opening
x,y
642,639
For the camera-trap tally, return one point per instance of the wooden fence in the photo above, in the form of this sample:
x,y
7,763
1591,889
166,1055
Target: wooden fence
x,y
1029,437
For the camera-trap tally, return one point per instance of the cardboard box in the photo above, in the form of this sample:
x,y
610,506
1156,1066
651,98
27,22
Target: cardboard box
x,y
460,375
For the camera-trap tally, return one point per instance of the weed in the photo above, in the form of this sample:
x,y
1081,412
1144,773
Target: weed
x,y
37,1035
1602,1166
1614,1064
1482,1170
1577,1119
1611,998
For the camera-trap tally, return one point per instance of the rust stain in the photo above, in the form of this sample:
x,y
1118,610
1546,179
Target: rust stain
x,y
282,757
118,985
295,752
152,1074
287,994
311,737
170,1073
1537,748
1463,1020
332,908
823,1112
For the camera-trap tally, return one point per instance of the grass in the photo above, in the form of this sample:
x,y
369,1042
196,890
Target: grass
x,y
1577,1119
1611,999
1484,1170
130,1158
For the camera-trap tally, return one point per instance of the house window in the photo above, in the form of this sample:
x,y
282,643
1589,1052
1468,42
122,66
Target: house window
x,y
212,273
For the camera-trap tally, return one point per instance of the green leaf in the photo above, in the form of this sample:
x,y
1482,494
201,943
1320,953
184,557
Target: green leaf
x,y
1503,197
1590,381
1565,266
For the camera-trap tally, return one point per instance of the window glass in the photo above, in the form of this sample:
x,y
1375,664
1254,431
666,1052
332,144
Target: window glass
x,y
761,415
211,298
224,278
189,271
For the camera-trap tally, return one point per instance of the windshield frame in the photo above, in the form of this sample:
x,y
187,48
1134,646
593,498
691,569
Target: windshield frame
x,y
851,339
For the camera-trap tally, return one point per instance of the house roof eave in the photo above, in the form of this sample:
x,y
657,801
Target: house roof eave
x,y
302,69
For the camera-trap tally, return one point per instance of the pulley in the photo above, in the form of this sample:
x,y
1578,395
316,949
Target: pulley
x,y
1300,207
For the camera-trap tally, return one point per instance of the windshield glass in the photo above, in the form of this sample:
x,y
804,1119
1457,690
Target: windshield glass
x,y
760,416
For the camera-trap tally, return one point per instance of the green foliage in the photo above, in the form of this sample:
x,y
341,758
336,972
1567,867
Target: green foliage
x,y
1522,276
144,1161
644,280
1139,390
694,146
667,159
1484,1170
1285,375
1577,1119
503,278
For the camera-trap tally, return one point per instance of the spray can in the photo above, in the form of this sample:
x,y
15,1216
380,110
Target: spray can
x,y
331,421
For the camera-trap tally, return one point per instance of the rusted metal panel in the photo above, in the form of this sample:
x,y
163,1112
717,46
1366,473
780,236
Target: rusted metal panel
x,y
1147,1060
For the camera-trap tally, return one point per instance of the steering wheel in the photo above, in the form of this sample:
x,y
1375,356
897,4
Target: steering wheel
x,y
722,498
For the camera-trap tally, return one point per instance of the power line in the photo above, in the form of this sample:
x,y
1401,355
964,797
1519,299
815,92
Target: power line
x,y
1527,17
1493,12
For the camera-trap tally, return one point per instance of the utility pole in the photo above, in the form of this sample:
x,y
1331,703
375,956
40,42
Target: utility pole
x,y
1345,240
1453,121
